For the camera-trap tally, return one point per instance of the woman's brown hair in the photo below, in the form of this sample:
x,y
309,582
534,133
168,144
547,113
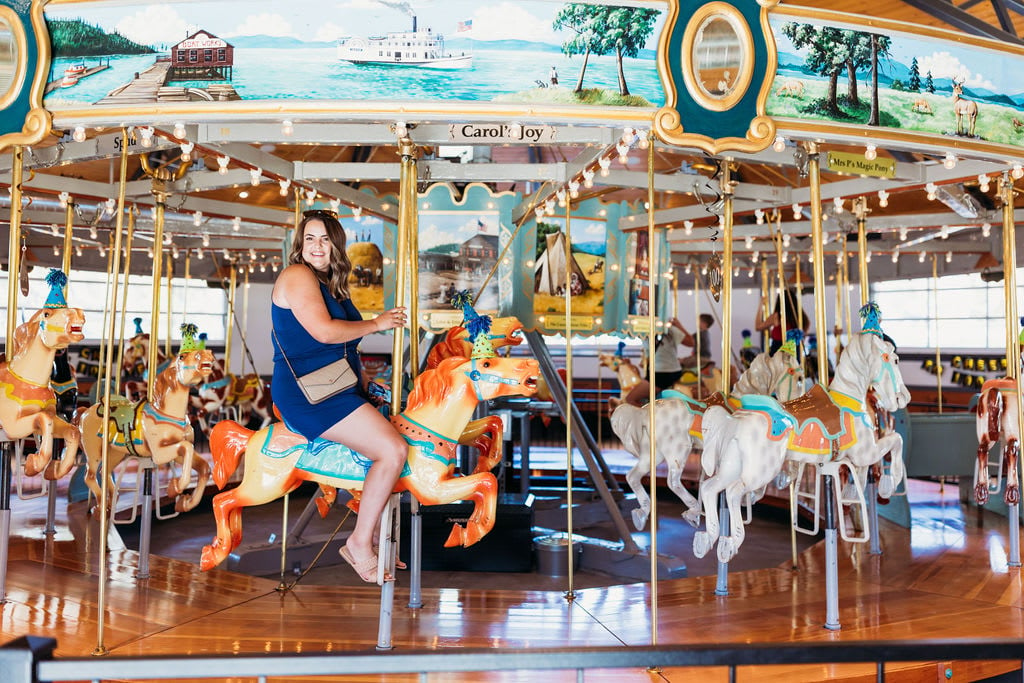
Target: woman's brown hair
x,y
340,266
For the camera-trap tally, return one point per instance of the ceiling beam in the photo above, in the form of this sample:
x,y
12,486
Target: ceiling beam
x,y
945,10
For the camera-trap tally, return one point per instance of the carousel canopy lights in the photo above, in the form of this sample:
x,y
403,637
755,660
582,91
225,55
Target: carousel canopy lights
x,y
748,242
206,239
236,223
197,218
179,130
149,252
574,188
870,152
883,198
944,232
688,227
623,150
931,189
110,206
867,256
1017,172
222,164
168,237
56,250
79,134
986,229
186,150
903,233
949,257
92,232
401,129
921,257
226,253
146,136
785,240
983,183
64,198
588,178
950,161
284,184
357,211
310,196
780,144
254,176
549,207
759,216
199,254
838,203
287,128
335,204
755,256
54,229
797,213
103,251
605,163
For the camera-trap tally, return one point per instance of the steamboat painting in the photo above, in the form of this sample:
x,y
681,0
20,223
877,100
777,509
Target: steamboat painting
x,y
916,84
535,53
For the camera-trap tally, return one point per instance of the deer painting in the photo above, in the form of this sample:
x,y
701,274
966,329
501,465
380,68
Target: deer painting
x,y
964,109
921,106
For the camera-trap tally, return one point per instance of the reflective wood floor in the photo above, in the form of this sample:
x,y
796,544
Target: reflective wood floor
x,y
946,577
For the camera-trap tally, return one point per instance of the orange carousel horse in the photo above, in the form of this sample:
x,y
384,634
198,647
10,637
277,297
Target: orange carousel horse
x,y
27,401
440,405
156,429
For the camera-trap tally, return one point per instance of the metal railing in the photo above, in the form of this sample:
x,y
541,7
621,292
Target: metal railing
x,y
30,660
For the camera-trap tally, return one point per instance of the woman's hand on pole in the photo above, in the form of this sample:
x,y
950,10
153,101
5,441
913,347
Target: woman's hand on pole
x,y
388,320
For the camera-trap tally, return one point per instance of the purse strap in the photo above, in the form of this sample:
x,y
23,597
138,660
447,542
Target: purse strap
x,y
284,355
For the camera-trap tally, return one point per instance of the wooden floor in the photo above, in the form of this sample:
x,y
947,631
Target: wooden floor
x,y
946,577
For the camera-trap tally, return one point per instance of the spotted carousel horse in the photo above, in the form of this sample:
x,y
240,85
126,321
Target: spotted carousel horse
x,y
747,449
997,422
27,401
246,394
678,420
440,405
156,429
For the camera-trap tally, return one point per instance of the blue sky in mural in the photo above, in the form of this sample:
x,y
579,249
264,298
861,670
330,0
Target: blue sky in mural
x,y
312,20
979,68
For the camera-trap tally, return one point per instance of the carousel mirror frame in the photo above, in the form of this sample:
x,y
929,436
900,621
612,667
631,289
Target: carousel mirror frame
x,y
692,42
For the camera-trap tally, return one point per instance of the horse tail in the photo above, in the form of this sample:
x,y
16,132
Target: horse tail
x,y
227,444
713,431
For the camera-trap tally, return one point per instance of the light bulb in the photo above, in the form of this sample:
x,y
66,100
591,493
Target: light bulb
x,y
168,237
252,253
149,252
56,250
539,211
883,198
254,176
687,268
310,196
186,151
549,206
588,178
755,256
92,232
931,188
688,227
748,242
950,161
199,254
335,204
287,128
921,257
79,134
780,144
867,257
797,214
206,239
401,129
944,232
759,216
357,212
103,251
284,183
179,130
785,256
64,198
174,252
605,164
273,266
236,223
197,218
903,233
222,163
146,136
785,240
949,257
870,152
983,183
641,139
750,273
839,257
574,188
838,203
226,253
623,151
986,229
1017,171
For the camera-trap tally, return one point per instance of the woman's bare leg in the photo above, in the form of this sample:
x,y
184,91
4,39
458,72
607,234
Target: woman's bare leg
x,y
639,394
371,434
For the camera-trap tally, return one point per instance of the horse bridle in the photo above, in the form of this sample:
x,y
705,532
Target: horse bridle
x,y
477,377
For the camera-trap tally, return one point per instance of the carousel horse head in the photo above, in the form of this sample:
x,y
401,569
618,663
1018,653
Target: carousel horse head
x,y
874,350
55,325
505,331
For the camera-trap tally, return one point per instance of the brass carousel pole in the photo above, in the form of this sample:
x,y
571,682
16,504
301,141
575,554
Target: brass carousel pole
x,y
13,268
229,333
107,360
570,595
129,238
727,185
653,274
169,270
245,315
935,317
406,224
696,317
414,285
158,258
783,299
860,208
1007,193
65,262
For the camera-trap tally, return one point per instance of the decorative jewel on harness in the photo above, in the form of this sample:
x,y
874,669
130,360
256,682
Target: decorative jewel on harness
x,y
57,280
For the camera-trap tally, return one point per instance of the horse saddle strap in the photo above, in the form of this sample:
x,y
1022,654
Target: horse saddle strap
x,y
817,405
124,417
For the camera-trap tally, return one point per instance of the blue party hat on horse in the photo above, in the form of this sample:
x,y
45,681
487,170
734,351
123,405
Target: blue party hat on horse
x,y
57,281
138,325
871,319
793,338
188,338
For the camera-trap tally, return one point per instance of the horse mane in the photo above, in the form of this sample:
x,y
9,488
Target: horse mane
x,y
756,378
163,384
23,335
452,345
434,384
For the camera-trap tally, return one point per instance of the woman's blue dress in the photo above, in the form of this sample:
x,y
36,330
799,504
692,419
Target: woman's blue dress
x,y
305,355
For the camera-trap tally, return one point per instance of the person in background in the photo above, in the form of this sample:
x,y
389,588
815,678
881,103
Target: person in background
x,y
554,76
315,323
667,369
773,322
704,321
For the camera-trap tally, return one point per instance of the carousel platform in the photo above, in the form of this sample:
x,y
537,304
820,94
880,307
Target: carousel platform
x,y
946,577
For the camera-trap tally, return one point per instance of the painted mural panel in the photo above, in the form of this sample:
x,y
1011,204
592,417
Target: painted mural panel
x,y
583,267
365,247
897,80
536,53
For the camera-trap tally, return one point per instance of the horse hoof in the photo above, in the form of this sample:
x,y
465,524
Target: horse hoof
x,y
886,486
701,543
981,494
782,480
208,558
1012,496
323,507
456,537
639,519
692,517
725,549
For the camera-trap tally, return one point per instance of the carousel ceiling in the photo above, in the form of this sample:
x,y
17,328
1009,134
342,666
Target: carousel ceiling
x,y
235,196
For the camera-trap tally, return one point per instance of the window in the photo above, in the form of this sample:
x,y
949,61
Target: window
x,y
207,308
970,311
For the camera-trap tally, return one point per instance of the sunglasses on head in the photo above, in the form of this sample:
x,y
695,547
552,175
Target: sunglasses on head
x,y
320,213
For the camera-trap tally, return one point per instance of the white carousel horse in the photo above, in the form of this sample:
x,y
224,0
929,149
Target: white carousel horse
x,y
157,429
678,423
747,449
27,400
997,423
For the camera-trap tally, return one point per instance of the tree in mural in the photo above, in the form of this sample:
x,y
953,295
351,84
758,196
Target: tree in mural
x,y
600,30
914,83
929,84
879,46
827,55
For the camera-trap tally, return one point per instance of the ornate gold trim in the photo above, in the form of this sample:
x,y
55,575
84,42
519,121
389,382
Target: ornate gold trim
x,y
37,120
746,68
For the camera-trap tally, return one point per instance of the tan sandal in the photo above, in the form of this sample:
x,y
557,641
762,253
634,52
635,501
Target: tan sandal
x,y
398,561
367,569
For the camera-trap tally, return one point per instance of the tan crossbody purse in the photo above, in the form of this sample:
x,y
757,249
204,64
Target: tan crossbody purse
x,y
322,383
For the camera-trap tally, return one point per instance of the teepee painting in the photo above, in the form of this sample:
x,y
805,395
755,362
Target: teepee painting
x,y
580,267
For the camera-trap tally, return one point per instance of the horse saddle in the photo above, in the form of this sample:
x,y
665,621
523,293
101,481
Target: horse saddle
x,y
779,421
123,416
822,425
320,456
243,386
